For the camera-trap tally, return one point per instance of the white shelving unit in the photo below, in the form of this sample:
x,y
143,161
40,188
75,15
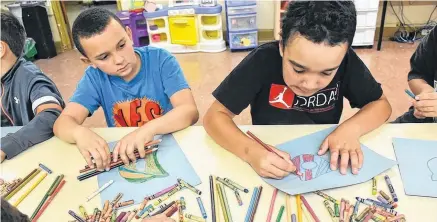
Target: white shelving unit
x,y
367,12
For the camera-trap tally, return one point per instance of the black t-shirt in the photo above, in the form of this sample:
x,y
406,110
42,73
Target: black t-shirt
x,y
424,60
257,81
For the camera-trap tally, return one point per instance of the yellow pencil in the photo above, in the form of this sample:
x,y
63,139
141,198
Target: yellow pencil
x,y
30,190
22,184
217,201
299,208
288,207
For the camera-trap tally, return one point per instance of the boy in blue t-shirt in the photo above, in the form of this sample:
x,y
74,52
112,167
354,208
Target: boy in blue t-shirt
x,y
136,87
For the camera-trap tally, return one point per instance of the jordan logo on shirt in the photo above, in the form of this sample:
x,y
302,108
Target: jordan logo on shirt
x,y
284,98
135,112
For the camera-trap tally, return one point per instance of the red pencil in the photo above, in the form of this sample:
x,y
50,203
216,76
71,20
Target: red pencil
x,y
267,147
49,201
307,205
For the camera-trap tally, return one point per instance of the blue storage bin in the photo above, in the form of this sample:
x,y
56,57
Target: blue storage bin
x,y
240,2
243,40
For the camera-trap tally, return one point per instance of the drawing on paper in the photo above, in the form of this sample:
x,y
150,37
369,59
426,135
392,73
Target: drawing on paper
x,y
432,166
143,171
311,166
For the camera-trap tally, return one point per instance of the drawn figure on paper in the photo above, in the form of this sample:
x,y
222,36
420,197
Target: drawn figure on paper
x,y
280,98
311,166
143,171
432,166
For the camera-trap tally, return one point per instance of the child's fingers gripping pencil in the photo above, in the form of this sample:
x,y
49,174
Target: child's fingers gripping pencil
x,y
411,94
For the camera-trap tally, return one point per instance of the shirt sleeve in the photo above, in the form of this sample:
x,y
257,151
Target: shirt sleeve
x,y
241,86
43,91
423,62
172,76
86,93
360,86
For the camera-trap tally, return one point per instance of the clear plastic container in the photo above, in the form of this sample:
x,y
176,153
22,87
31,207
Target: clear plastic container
x,y
242,22
241,10
243,40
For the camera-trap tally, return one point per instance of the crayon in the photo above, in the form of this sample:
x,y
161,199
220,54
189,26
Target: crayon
x,y
189,186
232,187
132,215
160,193
342,207
380,204
212,199
181,213
293,218
195,218
411,94
236,185
382,200
326,196
169,212
391,188
378,218
383,194
281,211
99,214
329,208
120,216
105,206
116,199
162,209
47,194
182,202
143,204
336,210
124,219
258,197
368,216
49,171
272,205
348,211
114,216
166,196
202,208
398,217
362,214
239,200
75,216
52,196
83,212
123,204
374,188
148,209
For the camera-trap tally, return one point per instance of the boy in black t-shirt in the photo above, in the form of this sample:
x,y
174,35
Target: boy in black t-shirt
x,y
422,80
301,80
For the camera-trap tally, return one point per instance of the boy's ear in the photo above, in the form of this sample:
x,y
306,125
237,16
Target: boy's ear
x,y
281,48
87,61
3,47
129,32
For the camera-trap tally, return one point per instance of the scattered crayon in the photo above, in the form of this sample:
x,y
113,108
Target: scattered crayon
x,y
240,201
182,202
83,212
391,188
116,199
181,213
236,185
75,216
189,186
49,171
123,204
342,207
336,210
377,203
143,204
195,218
326,196
132,215
374,188
202,208
362,214
329,208
368,216
160,193
231,186
382,200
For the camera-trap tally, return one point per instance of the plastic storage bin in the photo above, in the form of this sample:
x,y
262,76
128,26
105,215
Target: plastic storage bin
x,y
240,2
242,22
364,36
366,19
243,40
242,10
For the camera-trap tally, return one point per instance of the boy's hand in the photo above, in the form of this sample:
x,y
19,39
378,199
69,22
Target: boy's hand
x,y
134,140
91,144
158,218
344,143
426,105
268,164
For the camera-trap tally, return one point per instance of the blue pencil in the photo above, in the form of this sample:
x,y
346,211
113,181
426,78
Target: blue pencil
x,y
252,203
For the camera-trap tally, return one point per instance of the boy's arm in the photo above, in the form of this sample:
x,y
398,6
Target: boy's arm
x,y
38,130
68,127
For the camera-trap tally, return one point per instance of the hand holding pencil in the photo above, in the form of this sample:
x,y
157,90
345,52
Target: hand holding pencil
x,y
132,142
270,162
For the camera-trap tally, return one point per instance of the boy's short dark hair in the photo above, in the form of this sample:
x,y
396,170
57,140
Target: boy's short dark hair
x,y
13,32
91,22
331,22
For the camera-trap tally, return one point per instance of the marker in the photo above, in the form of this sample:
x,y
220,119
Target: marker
x,y
240,201
326,196
202,208
189,186
238,186
374,186
45,168
390,187
411,94
106,185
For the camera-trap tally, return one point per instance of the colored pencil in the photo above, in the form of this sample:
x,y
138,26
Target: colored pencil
x,y
96,172
281,211
24,183
293,218
55,192
19,183
29,190
146,146
288,207
267,147
49,192
299,208
272,205
251,205
222,202
256,203
116,164
310,210
225,200
411,94
216,200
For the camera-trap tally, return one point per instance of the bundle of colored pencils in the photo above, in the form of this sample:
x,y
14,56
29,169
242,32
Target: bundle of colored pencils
x,y
48,197
90,172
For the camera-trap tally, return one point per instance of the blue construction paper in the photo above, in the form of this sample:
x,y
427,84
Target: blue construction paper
x,y
418,166
173,162
316,169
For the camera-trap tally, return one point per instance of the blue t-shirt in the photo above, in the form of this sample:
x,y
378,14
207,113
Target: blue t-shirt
x,y
133,103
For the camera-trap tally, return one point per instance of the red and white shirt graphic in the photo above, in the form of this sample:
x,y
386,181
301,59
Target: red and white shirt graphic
x,y
281,96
